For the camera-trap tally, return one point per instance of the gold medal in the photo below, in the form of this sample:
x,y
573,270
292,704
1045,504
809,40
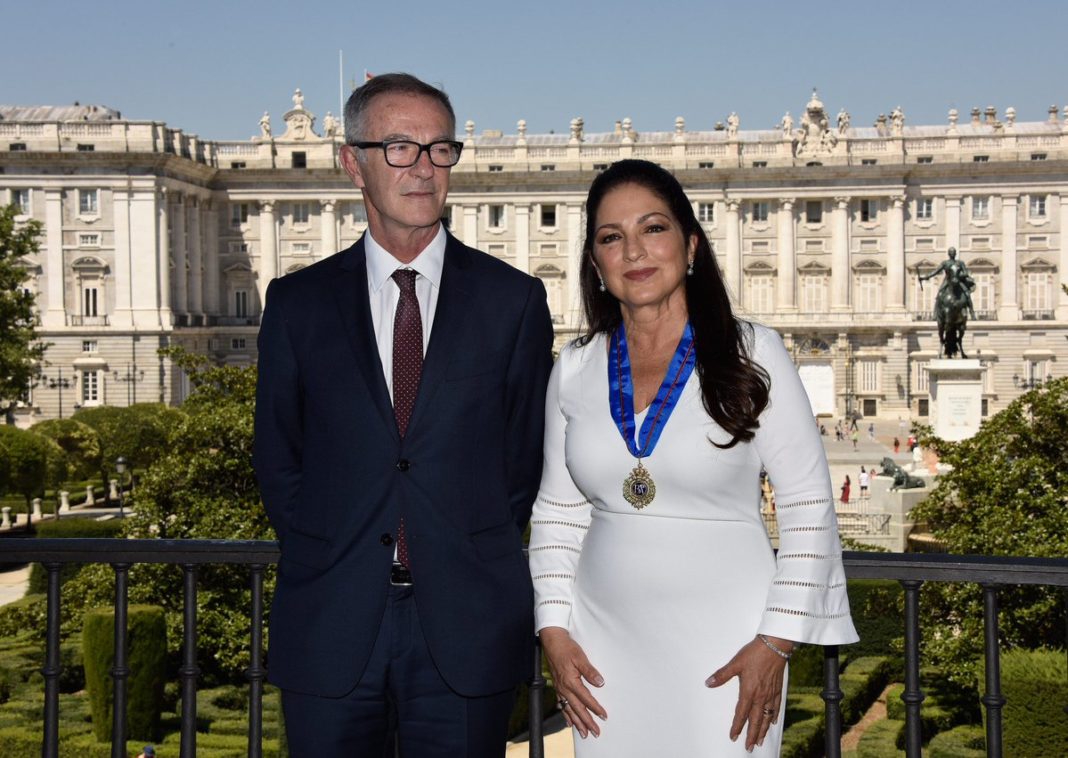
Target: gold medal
x,y
639,488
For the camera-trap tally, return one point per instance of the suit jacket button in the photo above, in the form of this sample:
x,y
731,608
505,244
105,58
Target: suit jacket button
x,y
386,539
403,464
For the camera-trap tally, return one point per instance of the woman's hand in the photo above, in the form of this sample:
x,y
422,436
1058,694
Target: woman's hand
x,y
760,672
569,667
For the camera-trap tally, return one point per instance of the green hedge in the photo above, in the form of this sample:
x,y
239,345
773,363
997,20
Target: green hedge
x,y
880,740
1035,689
147,661
966,741
70,527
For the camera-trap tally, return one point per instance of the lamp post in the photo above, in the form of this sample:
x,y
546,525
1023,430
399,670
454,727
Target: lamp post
x,y
58,382
131,377
121,468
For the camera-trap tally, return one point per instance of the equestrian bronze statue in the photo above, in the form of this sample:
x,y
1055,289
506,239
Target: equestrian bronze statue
x,y
953,304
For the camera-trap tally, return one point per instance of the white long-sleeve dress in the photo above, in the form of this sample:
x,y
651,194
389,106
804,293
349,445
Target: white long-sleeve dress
x,y
662,597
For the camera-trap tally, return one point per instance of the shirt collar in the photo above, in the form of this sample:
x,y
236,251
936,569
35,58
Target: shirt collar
x,y
381,264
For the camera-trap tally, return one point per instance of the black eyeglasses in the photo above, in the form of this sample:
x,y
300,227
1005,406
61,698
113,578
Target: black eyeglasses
x,y
402,153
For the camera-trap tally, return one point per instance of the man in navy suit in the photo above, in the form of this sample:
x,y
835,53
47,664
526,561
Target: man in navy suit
x,y
399,424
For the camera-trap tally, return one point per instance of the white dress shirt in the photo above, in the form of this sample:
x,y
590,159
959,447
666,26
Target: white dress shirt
x,y
384,293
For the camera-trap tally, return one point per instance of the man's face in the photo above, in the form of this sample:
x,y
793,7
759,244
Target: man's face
x,y
400,200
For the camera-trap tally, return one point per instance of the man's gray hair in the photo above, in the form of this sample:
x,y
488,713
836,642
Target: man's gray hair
x,y
387,84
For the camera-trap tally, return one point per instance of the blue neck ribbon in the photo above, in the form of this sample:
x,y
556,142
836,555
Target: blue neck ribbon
x,y
621,391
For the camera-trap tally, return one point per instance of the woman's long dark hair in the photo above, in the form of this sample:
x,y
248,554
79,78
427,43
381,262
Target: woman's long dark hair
x,y
734,388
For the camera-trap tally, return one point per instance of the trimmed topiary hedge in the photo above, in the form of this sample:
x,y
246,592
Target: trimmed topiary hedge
x,y
1035,689
967,741
147,661
69,527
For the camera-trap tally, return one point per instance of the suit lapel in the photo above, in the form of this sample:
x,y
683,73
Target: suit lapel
x,y
350,296
447,329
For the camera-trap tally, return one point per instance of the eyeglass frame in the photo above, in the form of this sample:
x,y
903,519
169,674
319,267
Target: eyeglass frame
x,y
362,145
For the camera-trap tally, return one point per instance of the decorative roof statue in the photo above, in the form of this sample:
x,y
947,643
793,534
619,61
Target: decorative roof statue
x,y
954,115
814,136
299,121
265,125
733,122
843,121
330,126
787,125
897,122
298,100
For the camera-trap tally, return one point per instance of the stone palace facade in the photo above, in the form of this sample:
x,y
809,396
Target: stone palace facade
x,y
154,237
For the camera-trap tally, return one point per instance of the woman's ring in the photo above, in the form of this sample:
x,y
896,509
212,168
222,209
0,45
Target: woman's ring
x,y
769,711
562,703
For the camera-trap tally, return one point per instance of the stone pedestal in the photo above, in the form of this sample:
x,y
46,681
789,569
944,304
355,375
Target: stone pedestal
x,y
956,398
5,517
90,498
37,513
889,513
64,501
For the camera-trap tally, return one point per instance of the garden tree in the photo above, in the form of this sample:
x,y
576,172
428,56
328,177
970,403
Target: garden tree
x,y
79,441
137,433
1007,494
31,462
20,352
201,487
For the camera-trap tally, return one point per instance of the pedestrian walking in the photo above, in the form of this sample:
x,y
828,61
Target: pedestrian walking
x,y
864,479
897,445
845,491
871,431
854,436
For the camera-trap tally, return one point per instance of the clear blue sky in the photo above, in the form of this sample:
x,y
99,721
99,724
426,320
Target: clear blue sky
x,y
213,68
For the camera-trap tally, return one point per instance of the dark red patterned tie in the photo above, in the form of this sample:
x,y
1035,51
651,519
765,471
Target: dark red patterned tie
x,y
407,367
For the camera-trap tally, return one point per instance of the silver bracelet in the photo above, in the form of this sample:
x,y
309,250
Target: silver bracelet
x,y
774,648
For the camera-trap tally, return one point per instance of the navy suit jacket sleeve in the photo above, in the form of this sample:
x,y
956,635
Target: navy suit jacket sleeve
x,y
528,376
279,427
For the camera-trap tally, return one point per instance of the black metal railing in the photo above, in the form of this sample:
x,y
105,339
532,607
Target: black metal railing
x,y
910,569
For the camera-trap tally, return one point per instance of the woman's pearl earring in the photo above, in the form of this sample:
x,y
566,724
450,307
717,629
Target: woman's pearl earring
x,y
689,269
602,287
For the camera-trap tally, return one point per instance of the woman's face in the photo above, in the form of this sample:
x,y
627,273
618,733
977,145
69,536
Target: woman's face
x,y
639,248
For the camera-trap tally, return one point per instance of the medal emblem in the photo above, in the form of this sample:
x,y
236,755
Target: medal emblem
x,y
639,488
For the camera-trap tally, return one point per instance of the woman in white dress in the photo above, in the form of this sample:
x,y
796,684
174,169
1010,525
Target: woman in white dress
x,y
665,616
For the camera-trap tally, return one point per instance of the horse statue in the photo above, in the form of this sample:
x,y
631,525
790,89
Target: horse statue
x,y
952,304
902,479
951,313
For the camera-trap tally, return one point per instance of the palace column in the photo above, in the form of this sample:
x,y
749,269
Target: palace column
x,y
787,263
328,217
574,263
895,254
522,237
121,316
268,269
195,245
470,226
211,258
953,222
1062,264
56,314
144,255
840,255
1009,309
163,230
734,252
181,276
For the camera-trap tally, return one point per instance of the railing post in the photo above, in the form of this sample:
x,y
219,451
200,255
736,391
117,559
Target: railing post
x,y
189,671
993,699
52,667
119,671
832,697
912,696
256,673
537,687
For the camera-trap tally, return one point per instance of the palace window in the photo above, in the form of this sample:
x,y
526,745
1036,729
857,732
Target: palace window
x,y
17,147
814,212
89,346
761,292
760,164
20,198
706,212
300,159
548,215
1038,291
980,159
869,210
919,377
88,202
241,303
301,212
548,167
758,212
496,217
91,387
1038,156
237,165
868,161
925,208
238,214
1036,208
90,301
980,208
706,164
925,159
237,343
869,293
983,298
813,293
89,240
84,148
868,375
923,295
359,213
301,248
495,168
